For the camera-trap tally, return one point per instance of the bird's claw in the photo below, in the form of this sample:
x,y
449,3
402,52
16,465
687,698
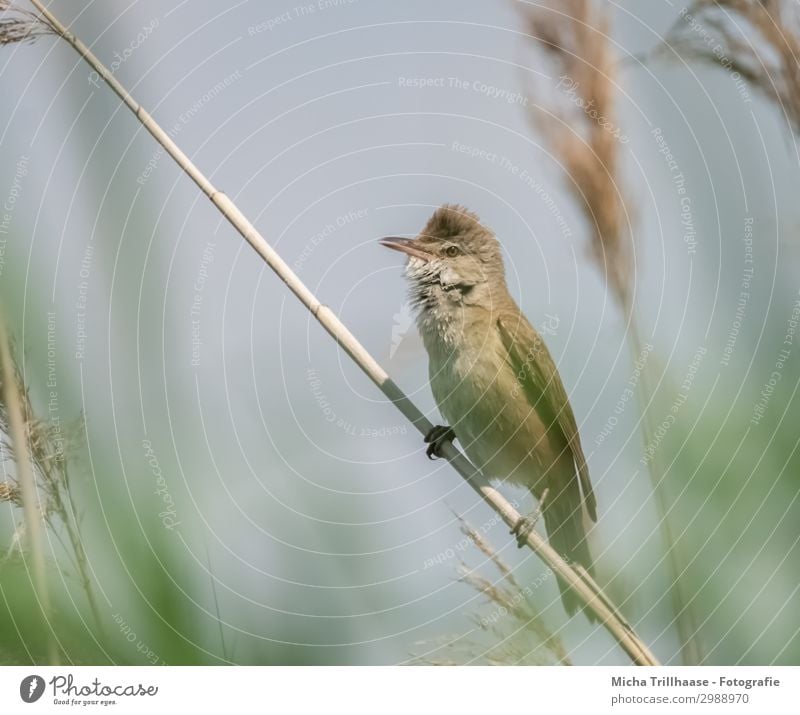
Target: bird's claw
x,y
523,528
525,525
436,439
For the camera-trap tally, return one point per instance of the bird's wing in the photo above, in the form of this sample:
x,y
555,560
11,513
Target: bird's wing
x,y
537,375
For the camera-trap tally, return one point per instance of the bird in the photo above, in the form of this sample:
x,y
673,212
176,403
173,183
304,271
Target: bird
x,y
495,382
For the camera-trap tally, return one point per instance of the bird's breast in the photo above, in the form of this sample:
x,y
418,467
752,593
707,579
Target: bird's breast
x,y
477,393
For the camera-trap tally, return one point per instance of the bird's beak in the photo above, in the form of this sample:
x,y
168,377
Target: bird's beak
x,y
406,245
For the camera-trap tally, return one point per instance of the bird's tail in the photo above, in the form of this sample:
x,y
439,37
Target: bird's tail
x,y
563,518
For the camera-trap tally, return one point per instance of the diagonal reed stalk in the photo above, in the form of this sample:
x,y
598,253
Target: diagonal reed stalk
x,y
580,581
26,479
579,125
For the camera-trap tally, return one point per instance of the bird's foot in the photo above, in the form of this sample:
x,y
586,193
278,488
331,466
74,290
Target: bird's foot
x,y
523,528
526,524
437,438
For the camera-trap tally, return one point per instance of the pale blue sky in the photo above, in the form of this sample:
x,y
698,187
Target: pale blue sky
x,y
312,124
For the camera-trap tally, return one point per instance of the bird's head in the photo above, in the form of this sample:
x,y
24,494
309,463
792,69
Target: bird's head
x,y
454,258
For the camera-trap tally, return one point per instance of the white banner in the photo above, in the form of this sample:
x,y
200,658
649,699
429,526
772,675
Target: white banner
x,y
401,690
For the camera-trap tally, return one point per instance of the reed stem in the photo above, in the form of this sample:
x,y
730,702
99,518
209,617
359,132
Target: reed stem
x,y
580,581
26,478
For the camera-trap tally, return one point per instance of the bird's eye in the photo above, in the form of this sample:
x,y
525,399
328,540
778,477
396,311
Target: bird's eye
x,y
451,251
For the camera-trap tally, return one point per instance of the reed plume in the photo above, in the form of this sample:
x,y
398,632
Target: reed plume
x,y
44,445
20,25
578,121
23,489
759,41
518,633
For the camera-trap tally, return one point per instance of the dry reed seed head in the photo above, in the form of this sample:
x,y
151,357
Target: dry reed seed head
x,y
20,25
494,593
484,546
519,636
573,36
488,550
9,492
758,40
48,444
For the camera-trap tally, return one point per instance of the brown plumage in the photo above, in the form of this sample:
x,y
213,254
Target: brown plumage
x,y
493,377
